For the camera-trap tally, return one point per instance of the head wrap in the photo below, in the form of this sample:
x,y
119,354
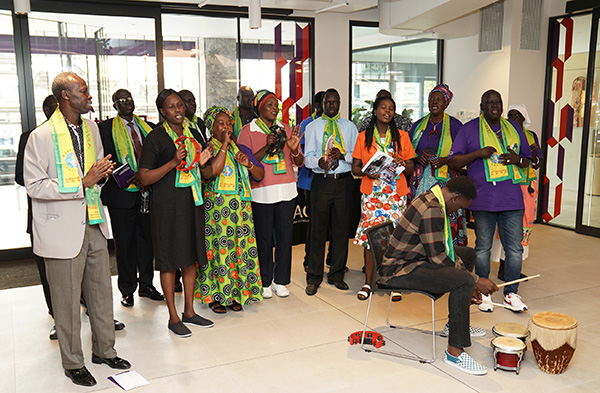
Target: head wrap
x,y
523,111
259,100
211,113
445,90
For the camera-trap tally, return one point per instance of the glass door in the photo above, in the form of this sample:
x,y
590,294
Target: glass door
x,y
589,207
569,44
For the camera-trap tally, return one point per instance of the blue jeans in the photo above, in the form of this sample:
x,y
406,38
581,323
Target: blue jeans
x,y
510,229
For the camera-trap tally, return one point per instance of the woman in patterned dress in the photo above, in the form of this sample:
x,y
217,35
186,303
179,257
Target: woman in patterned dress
x,y
231,275
380,201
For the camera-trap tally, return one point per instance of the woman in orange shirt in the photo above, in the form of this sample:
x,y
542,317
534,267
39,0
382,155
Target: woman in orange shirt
x,y
380,201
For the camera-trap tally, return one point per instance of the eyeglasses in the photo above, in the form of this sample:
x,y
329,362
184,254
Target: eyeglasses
x,y
124,100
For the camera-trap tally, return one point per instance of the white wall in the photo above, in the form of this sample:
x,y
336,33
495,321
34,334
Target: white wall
x,y
332,51
517,74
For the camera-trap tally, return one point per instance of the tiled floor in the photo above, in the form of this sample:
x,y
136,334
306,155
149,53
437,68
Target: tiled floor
x,y
299,344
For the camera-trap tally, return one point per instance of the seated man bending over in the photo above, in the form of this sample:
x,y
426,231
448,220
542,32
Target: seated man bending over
x,y
421,256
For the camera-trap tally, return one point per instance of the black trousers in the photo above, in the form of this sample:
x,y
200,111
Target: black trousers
x,y
274,223
437,279
307,243
133,248
331,202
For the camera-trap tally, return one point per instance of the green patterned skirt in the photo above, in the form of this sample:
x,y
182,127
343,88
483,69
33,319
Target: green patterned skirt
x,y
232,271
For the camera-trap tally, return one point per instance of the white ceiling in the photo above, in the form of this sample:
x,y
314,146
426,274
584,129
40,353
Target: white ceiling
x,y
296,5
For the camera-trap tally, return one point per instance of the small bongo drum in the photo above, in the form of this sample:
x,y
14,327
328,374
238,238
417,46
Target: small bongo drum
x,y
508,353
553,340
509,329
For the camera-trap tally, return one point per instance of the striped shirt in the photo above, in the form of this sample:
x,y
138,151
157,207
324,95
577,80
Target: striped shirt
x,y
417,240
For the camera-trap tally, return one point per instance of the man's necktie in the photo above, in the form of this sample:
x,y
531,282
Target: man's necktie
x,y
137,144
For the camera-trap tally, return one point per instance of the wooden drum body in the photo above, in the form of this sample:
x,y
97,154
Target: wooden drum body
x,y
553,340
508,353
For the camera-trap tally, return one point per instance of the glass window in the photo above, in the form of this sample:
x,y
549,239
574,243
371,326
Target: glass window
x,y
407,69
202,54
13,199
108,52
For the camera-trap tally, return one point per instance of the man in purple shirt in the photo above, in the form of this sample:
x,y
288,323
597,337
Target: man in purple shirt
x,y
496,172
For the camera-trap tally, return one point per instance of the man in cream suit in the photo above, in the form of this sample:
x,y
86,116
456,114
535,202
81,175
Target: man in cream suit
x,y
69,229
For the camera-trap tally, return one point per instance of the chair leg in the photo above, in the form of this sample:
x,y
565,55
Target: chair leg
x,y
396,354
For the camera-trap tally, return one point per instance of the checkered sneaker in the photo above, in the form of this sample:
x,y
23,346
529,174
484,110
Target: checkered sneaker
x,y
465,363
473,331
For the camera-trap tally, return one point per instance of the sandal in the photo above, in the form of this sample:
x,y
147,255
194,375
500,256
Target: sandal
x,y
235,306
217,308
396,296
364,292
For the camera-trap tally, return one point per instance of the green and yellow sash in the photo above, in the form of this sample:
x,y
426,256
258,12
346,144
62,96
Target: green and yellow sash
x,y
277,160
448,242
494,169
227,182
124,145
332,128
191,178
385,145
192,123
444,147
530,171
237,122
67,163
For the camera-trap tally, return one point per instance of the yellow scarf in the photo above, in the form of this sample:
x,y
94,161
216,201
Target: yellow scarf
x,y
332,128
237,122
494,169
227,181
67,163
124,145
187,179
444,147
448,242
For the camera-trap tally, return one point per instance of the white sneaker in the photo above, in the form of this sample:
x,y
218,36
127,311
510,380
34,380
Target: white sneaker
x,y
486,303
280,290
267,292
513,300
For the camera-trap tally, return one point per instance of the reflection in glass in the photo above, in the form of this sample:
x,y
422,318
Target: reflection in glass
x,y
591,198
570,52
408,70
13,200
108,52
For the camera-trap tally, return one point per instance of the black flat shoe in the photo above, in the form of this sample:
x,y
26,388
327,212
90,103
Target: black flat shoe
x,y
119,325
116,362
81,376
311,289
152,293
53,335
127,300
341,285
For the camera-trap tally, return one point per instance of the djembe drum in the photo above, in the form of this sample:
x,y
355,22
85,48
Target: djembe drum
x,y
553,340
508,353
509,329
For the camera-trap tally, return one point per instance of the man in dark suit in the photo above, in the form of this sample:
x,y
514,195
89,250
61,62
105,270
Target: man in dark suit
x,y
122,137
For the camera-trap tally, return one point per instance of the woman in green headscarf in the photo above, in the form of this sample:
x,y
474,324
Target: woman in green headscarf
x,y
231,276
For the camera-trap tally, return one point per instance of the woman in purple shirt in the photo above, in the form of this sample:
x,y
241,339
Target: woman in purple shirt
x,y
432,138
